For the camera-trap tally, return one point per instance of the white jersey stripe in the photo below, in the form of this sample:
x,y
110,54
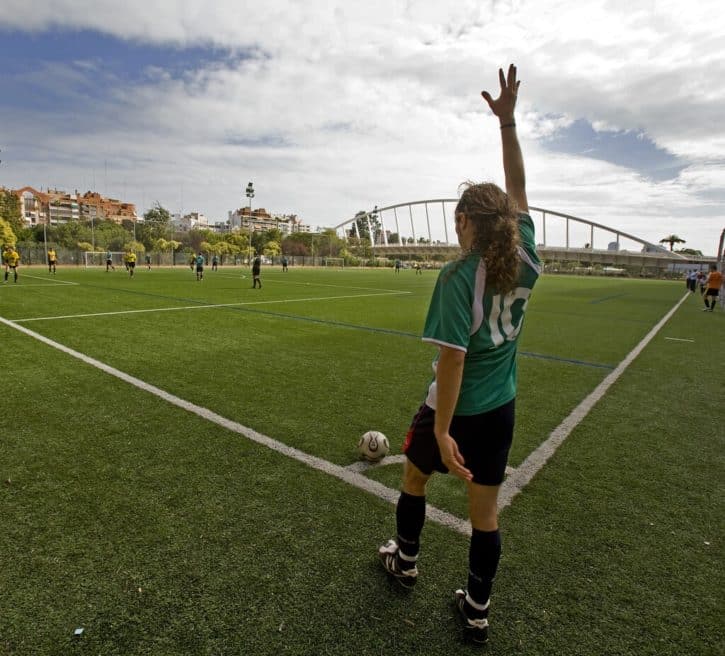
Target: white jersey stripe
x,y
478,292
525,257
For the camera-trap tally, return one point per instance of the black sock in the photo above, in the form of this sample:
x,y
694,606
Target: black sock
x,y
409,520
483,556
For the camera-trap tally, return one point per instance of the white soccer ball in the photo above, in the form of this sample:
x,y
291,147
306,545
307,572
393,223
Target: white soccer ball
x,y
373,446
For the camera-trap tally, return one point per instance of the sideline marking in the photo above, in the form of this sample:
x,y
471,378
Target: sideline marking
x,y
526,471
679,339
52,282
319,284
352,478
55,281
201,307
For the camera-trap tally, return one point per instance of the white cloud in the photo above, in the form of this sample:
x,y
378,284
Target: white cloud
x,y
345,105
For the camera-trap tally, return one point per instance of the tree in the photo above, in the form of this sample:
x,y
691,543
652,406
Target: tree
x,y
10,210
272,248
293,245
156,225
672,240
7,235
690,251
362,219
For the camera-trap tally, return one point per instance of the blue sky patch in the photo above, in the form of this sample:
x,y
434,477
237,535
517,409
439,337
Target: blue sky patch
x,y
624,148
62,69
22,52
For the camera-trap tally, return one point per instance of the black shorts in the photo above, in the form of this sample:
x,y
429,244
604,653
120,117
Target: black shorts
x,y
484,441
712,292
131,265
199,269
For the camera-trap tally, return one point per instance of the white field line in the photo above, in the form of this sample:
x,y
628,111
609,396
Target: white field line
x,y
51,279
202,307
523,474
51,282
679,339
282,278
350,477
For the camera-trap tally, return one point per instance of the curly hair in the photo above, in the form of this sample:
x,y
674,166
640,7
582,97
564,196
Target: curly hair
x,y
496,232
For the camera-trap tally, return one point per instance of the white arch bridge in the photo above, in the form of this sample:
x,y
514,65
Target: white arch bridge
x,y
427,226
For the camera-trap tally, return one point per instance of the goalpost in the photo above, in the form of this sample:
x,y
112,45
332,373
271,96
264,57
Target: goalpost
x,y
98,258
334,261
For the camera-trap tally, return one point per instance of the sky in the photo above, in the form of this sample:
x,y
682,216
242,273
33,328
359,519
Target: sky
x,y
334,107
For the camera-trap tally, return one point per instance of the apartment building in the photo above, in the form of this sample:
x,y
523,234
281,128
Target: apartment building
x,y
260,219
54,207
191,221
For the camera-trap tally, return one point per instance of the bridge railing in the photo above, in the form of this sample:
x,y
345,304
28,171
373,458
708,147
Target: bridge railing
x,y
431,222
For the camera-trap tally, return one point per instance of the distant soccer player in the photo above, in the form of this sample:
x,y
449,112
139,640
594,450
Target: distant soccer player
x,y
11,260
109,261
192,261
397,266
466,424
199,263
130,261
214,262
52,260
148,262
256,272
713,284
284,264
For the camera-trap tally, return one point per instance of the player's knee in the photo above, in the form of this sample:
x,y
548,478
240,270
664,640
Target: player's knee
x,y
414,480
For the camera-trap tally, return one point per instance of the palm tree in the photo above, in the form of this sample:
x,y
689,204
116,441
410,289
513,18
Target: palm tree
x,y
672,240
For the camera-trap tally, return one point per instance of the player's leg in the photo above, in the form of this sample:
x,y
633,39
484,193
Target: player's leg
x,y
484,441
399,557
484,553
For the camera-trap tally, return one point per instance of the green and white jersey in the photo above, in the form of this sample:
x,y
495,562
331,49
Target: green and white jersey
x,y
464,314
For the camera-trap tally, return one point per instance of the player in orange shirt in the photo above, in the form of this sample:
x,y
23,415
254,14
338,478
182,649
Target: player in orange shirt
x,y
714,282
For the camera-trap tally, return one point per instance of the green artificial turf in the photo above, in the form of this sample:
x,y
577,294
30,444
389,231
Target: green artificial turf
x,y
159,532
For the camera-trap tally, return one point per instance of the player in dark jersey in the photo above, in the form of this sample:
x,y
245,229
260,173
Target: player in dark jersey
x,y
256,271
199,262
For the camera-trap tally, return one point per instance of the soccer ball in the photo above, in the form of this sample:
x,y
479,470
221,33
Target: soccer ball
x,y
373,446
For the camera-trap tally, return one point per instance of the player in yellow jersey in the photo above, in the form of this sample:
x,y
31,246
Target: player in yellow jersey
x,y
52,260
130,260
11,260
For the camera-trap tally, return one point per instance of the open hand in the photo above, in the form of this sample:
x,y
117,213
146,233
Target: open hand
x,y
452,458
504,105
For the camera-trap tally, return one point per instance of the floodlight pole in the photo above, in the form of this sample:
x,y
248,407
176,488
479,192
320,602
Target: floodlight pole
x,y
250,195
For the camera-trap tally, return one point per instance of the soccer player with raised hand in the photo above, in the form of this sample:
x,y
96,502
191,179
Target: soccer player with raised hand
x,y
465,426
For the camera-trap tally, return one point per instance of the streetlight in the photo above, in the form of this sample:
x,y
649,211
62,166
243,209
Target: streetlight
x,y
250,195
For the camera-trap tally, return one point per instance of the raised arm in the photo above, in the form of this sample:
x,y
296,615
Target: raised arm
x,y
513,160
